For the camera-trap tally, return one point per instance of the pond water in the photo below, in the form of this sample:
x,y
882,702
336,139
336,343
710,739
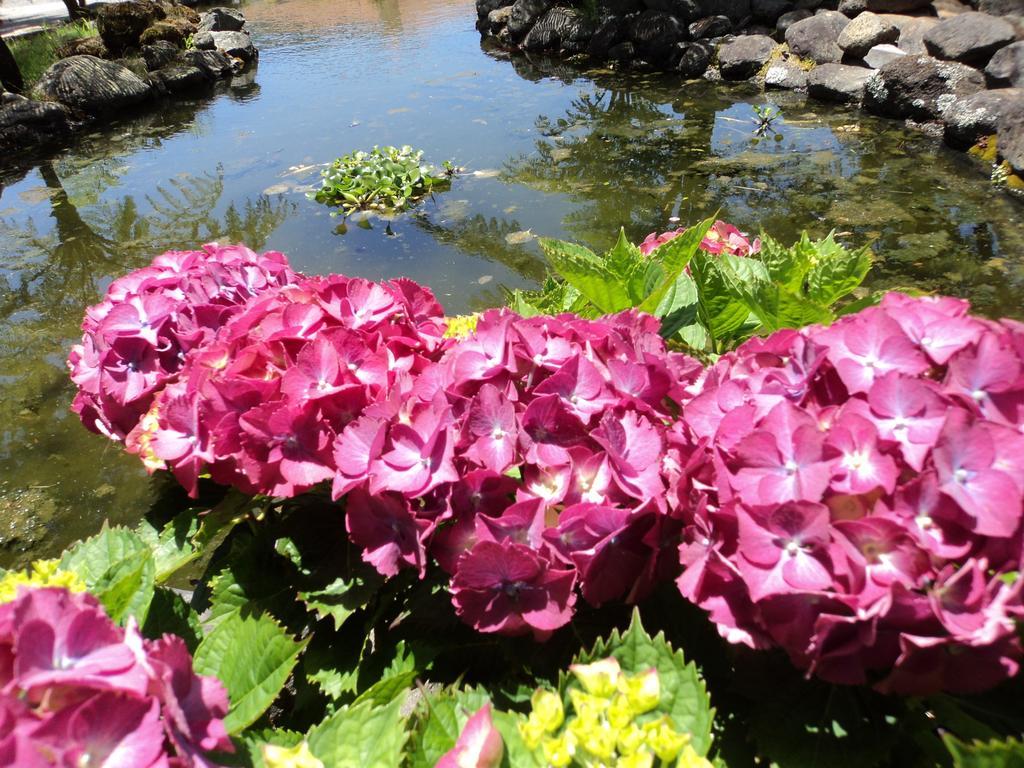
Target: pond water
x,y
549,150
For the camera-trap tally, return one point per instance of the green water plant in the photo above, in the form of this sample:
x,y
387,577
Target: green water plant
x,y
710,287
384,179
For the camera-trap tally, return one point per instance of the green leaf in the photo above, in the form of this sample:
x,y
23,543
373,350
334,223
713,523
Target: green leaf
x,y
169,613
674,256
172,546
361,736
836,272
118,568
580,268
389,688
249,746
786,266
723,309
438,732
679,307
980,754
341,598
253,657
683,694
778,308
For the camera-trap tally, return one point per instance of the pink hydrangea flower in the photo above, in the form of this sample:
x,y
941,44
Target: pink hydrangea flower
x,y
721,238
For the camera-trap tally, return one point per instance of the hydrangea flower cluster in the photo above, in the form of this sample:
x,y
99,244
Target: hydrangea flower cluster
x,y
854,496
136,339
260,405
721,238
79,690
526,462
42,573
609,725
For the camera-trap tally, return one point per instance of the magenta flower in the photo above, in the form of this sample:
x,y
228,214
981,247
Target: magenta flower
x,y
508,588
721,238
385,527
479,744
417,457
492,427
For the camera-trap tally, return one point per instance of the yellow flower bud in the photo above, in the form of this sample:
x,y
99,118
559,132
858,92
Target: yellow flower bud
x,y
298,756
461,326
532,731
620,712
631,739
599,678
42,573
690,759
587,707
665,740
547,709
636,760
643,690
599,739
558,752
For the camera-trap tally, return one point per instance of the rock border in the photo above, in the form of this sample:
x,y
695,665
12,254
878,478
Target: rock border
x,y
955,71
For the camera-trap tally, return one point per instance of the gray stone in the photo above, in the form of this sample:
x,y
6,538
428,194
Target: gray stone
x,y
837,82
214,63
484,7
684,10
977,115
655,34
158,54
896,6
788,19
1010,131
768,11
122,24
785,75
526,13
694,58
919,87
610,31
623,53
970,38
181,76
1002,7
236,44
1006,69
557,26
85,46
852,8
881,55
24,122
817,38
91,85
498,18
743,57
221,20
711,26
736,10
865,32
203,41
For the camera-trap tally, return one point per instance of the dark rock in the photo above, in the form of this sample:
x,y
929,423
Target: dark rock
x,y
498,19
181,76
174,31
214,63
693,58
159,54
221,20
85,46
122,24
622,53
881,55
484,7
837,82
557,27
817,38
620,7
788,19
91,85
786,75
24,122
712,26
610,31
236,44
655,33
203,41
179,11
743,57
919,87
1002,7
977,115
684,10
768,11
1006,69
852,8
865,32
756,29
736,10
526,13
970,38
1010,132
896,6
912,31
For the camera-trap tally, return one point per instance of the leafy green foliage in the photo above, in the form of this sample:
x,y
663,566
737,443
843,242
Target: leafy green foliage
x,y
683,694
383,179
35,53
118,568
169,613
708,303
253,656
979,754
342,597
361,736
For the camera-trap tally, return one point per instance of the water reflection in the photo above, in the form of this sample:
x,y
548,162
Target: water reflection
x,y
637,151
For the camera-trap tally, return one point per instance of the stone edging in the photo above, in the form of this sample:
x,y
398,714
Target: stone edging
x,y
949,70
144,51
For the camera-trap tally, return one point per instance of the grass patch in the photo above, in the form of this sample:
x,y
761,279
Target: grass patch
x,y
35,53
